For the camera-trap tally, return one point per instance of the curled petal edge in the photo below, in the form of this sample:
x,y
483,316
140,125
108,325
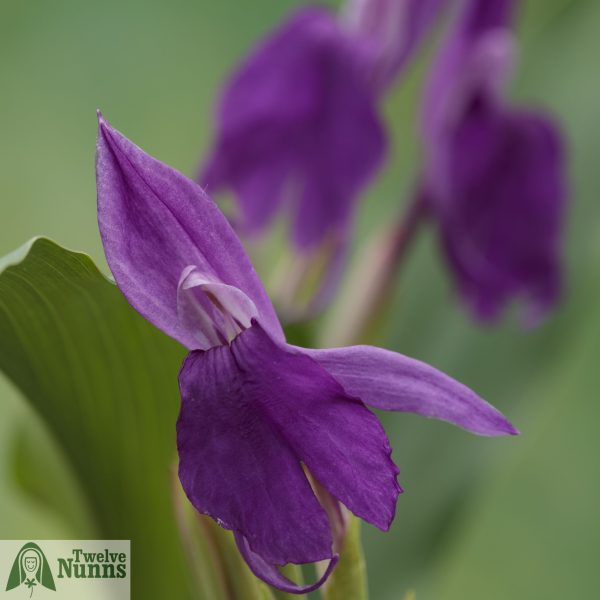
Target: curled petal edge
x,y
270,573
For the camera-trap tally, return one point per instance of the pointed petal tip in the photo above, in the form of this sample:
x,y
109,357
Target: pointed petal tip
x,y
512,430
389,381
501,428
497,424
388,524
103,125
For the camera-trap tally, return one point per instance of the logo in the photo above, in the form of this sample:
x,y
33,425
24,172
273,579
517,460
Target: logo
x,y
65,570
30,570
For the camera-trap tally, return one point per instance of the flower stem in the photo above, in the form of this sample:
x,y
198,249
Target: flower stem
x,y
369,292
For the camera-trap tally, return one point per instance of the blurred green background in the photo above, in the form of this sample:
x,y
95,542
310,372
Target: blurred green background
x,y
481,519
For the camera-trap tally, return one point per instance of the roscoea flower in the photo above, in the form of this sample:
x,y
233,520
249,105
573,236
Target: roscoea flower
x,y
494,180
259,416
297,128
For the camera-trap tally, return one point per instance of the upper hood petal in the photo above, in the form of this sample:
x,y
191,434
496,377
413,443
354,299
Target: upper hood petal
x,y
154,223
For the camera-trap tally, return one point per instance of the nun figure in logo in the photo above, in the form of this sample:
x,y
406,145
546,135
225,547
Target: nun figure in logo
x,y
30,568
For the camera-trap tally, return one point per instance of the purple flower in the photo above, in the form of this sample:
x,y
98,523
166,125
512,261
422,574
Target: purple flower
x,y
494,180
258,416
297,126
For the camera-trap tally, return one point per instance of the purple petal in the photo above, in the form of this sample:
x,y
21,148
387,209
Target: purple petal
x,y
298,120
484,15
494,179
271,574
236,467
502,214
256,177
347,147
477,55
390,381
252,413
395,29
468,64
339,440
154,223
264,75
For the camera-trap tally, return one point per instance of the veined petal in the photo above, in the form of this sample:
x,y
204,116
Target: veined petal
x,y
154,223
236,467
252,412
339,440
271,574
390,381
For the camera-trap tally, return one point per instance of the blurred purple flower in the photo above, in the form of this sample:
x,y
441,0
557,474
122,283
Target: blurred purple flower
x,y
298,129
255,410
297,125
494,179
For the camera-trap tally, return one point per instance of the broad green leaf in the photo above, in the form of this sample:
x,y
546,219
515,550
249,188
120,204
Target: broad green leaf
x,y
24,514
105,383
349,579
41,473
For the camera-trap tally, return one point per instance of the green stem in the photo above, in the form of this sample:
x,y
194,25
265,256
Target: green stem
x,y
202,552
349,579
366,303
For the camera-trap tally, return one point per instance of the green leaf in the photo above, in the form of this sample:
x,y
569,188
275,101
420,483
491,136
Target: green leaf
x,y
349,579
40,473
24,510
105,383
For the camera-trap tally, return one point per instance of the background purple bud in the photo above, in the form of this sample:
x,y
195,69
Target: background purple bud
x,y
298,129
494,178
